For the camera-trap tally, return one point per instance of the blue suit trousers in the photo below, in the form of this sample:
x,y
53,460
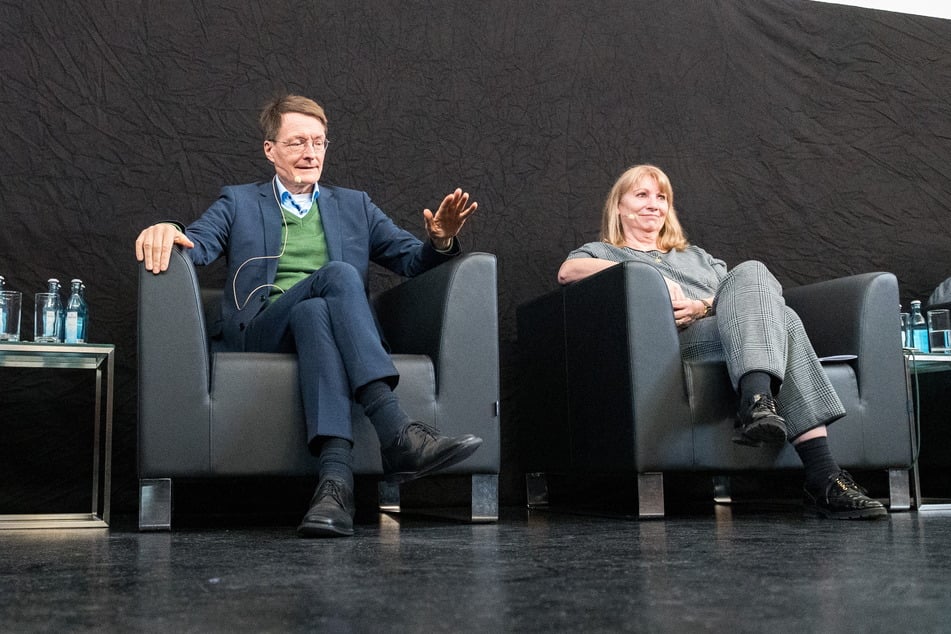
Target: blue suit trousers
x,y
327,320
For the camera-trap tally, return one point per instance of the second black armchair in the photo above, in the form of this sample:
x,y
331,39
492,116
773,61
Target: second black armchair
x,y
607,392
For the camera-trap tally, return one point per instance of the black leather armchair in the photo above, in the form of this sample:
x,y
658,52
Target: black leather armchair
x,y
206,414
605,389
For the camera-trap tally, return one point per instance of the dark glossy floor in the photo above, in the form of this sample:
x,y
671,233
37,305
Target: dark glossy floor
x,y
725,569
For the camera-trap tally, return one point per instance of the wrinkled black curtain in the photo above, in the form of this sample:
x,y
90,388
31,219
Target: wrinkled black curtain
x,y
815,137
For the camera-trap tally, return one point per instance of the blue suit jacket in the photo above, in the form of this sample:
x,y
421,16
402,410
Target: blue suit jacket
x,y
245,225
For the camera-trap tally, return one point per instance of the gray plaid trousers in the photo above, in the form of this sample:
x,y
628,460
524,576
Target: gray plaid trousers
x,y
752,330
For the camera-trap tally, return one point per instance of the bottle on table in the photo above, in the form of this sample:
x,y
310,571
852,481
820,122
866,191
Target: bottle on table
x,y
918,329
76,314
3,306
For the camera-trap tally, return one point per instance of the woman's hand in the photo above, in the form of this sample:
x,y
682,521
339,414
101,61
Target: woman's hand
x,y
687,311
676,292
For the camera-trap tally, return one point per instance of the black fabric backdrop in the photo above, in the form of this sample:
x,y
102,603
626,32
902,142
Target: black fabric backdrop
x,y
812,136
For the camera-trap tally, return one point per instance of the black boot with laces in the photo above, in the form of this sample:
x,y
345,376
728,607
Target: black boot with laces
x,y
840,498
758,422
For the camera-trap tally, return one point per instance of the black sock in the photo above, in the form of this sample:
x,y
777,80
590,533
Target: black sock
x,y
335,460
817,460
383,409
755,382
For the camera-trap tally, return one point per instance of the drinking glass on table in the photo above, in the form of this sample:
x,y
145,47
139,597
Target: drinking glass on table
x,y
939,330
10,315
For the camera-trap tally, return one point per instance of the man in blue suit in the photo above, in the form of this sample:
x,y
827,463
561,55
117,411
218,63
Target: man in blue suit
x,y
298,258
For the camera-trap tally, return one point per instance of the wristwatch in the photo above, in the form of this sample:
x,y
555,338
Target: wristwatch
x,y
707,308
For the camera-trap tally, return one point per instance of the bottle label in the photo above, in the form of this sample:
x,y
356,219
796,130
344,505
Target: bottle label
x,y
50,317
920,340
72,328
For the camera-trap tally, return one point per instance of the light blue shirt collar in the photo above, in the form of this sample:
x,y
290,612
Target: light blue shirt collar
x,y
296,204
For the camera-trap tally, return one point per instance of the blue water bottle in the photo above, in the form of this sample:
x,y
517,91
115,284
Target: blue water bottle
x,y
919,329
76,312
3,306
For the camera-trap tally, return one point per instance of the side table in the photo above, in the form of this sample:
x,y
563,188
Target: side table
x,y
72,357
918,365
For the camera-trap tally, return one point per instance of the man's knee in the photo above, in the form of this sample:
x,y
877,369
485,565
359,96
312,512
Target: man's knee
x,y
339,275
310,313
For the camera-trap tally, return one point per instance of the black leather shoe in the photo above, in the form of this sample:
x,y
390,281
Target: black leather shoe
x,y
840,498
420,450
758,423
331,511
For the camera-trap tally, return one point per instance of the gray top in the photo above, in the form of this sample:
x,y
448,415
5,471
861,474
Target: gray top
x,y
698,273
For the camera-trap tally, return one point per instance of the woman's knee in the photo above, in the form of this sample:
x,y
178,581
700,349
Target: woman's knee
x,y
751,267
754,274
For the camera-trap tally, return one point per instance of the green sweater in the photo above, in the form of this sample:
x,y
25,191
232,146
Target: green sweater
x,y
305,250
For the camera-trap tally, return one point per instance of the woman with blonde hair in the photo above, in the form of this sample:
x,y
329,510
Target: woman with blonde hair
x,y
737,316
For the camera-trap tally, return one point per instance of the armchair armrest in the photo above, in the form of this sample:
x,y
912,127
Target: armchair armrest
x,y
450,314
622,348
854,315
859,315
173,367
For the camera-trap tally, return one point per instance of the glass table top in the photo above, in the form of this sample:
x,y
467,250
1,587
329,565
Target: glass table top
x,y
54,355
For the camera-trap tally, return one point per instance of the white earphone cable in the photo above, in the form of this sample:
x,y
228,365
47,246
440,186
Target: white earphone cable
x,y
234,281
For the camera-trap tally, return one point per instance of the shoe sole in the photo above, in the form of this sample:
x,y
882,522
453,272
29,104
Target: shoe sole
x,y
323,530
461,452
759,434
876,513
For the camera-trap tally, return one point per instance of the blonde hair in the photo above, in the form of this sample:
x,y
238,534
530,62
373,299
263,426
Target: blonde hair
x,y
671,235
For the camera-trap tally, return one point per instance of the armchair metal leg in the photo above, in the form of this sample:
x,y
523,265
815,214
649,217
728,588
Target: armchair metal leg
x,y
536,489
155,504
721,490
388,496
650,495
899,493
483,505
485,498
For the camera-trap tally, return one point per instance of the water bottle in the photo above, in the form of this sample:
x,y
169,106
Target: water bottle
x,y
3,306
75,330
918,329
85,324
905,330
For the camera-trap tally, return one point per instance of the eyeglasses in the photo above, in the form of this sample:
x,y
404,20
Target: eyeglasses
x,y
297,146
